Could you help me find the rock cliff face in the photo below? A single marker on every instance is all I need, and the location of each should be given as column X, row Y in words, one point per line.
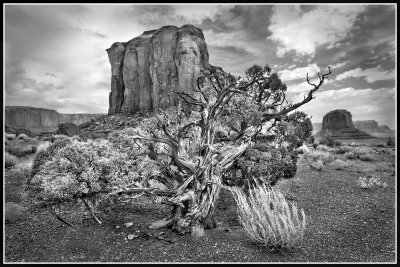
column 40, row 119
column 146, row 69
column 339, row 124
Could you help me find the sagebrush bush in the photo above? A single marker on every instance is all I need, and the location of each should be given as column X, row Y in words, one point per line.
column 10, row 160
column 339, row 164
column 323, row 156
column 366, row 157
column 317, row 165
column 269, row 218
column 23, row 136
column 351, row 155
column 263, row 161
column 71, row 168
column 11, row 136
column 46, row 154
column 371, row 181
column 343, row 149
column 43, row 146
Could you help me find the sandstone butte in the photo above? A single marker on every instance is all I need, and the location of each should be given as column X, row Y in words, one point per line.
column 146, row 69
column 339, row 124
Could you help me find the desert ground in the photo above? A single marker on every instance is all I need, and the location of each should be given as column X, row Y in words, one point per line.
column 345, row 222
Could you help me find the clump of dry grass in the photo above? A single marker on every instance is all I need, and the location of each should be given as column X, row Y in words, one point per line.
column 43, row 146
column 343, row 149
column 23, row 136
column 269, row 218
column 10, row 160
column 317, row 165
column 339, row 164
column 370, row 181
column 10, row 136
column 323, row 156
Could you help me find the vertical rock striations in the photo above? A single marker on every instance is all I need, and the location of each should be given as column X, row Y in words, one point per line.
column 146, row 69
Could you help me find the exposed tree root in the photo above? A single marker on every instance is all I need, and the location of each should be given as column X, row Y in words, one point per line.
column 161, row 224
column 58, row 217
column 91, row 211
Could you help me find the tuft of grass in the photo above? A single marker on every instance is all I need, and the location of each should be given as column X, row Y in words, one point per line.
column 43, row 146
column 269, row 218
column 11, row 136
column 23, row 137
column 10, row 160
column 323, row 156
column 343, row 149
column 371, row 181
column 366, row 157
column 351, row 155
column 317, row 165
column 339, row 164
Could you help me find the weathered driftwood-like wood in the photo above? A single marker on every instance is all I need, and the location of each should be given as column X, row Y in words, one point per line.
column 58, row 217
column 91, row 211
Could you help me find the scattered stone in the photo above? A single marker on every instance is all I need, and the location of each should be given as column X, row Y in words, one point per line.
column 161, row 233
column 132, row 236
column 161, row 237
column 127, row 225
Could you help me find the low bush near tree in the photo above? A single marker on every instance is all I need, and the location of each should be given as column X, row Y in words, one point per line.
column 10, row 160
column 339, row 164
column 269, row 218
column 369, row 182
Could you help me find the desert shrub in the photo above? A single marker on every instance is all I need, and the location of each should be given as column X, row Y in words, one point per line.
column 353, row 144
column 339, row 164
column 269, row 218
column 45, row 154
column 343, row 149
column 263, row 161
column 10, row 160
column 317, row 165
column 390, row 142
column 10, row 136
column 366, row 157
column 34, row 149
column 43, row 146
column 90, row 169
column 315, row 145
column 311, row 139
column 324, row 156
column 23, row 136
column 351, row 155
column 303, row 149
column 371, row 181
column 327, row 140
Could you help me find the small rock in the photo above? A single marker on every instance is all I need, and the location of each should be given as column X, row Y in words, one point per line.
column 117, row 226
column 161, row 233
column 161, row 237
column 127, row 225
column 131, row 236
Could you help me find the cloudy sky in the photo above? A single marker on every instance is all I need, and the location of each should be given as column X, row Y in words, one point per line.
column 54, row 55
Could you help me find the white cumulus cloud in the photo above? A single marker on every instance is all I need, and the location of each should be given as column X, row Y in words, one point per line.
column 303, row 32
column 370, row 75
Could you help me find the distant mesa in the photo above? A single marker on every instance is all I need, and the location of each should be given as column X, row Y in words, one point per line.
column 339, row 124
column 39, row 120
column 372, row 127
column 146, row 69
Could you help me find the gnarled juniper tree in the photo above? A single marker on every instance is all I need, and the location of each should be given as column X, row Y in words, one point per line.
column 210, row 130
